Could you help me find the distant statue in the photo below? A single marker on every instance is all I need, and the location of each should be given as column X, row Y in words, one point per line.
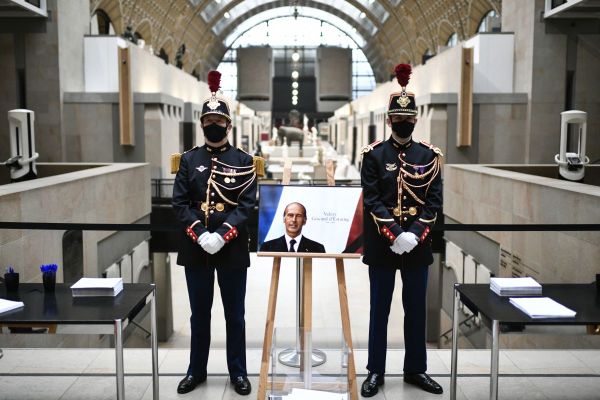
column 290, row 134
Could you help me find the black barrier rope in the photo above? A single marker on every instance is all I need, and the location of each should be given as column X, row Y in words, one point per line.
column 60, row 226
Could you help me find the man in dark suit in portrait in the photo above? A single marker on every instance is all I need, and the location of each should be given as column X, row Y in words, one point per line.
column 294, row 218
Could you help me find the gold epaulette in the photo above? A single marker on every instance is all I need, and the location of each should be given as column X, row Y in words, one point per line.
column 431, row 147
column 176, row 160
column 259, row 165
column 371, row 146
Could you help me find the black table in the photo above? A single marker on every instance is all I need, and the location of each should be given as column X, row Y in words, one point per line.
column 582, row 298
column 86, row 315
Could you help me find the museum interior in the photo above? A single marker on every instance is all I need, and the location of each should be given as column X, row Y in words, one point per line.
column 103, row 106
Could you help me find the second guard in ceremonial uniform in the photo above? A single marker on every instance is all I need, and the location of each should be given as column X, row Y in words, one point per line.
column 402, row 191
column 213, row 195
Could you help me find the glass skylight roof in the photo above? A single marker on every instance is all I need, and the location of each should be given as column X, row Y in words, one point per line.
column 283, row 30
column 334, row 6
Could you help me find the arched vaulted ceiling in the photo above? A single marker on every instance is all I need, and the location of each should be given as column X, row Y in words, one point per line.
column 392, row 31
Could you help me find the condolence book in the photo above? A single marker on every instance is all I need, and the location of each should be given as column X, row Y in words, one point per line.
column 95, row 287
column 515, row 286
column 7, row 305
column 542, row 307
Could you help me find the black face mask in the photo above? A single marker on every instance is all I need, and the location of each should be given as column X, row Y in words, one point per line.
column 403, row 128
column 215, row 133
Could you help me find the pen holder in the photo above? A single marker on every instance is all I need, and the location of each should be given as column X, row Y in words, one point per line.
column 49, row 280
column 12, row 281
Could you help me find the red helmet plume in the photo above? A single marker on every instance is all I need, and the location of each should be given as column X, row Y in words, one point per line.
column 214, row 81
column 403, row 72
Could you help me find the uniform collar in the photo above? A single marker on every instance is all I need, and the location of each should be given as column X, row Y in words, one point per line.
column 219, row 149
column 398, row 145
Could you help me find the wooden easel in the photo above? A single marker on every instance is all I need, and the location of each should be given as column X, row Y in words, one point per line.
column 306, row 323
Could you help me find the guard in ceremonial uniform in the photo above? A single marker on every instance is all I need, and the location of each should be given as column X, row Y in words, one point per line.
column 213, row 195
column 402, row 191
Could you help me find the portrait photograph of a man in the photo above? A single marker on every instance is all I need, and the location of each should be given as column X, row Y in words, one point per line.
column 316, row 219
column 294, row 218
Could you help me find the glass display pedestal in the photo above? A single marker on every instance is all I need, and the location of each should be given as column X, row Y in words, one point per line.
column 328, row 381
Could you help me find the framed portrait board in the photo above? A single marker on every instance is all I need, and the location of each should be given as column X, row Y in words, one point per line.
column 310, row 219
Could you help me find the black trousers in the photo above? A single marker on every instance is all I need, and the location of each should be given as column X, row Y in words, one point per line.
column 414, row 287
column 232, row 283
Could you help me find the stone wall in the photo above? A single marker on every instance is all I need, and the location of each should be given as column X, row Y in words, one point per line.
column 476, row 194
column 117, row 193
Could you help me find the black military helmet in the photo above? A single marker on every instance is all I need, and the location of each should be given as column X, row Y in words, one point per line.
column 215, row 105
column 403, row 102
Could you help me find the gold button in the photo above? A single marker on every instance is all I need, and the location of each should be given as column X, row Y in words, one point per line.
column 214, row 159
column 214, row 167
column 212, row 212
column 403, row 197
column 404, row 165
column 404, row 217
column 403, row 154
column 212, row 193
column 212, row 202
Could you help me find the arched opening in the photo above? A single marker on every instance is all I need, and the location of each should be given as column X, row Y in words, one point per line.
column 101, row 24
column 452, row 40
column 179, row 56
column 489, row 23
column 142, row 33
column 427, row 54
column 163, row 54
column 279, row 33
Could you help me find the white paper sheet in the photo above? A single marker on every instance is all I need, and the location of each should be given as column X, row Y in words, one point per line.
column 541, row 307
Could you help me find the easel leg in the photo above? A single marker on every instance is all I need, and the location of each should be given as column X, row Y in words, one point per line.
column 341, row 277
column 306, row 324
column 269, row 325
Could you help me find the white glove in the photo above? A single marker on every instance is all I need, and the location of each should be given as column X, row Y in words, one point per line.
column 406, row 242
column 203, row 237
column 213, row 243
column 395, row 247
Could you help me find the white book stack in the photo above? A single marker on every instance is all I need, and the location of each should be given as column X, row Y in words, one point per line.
column 8, row 305
column 542, row 307
column 515, row 287
column 97, row 287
